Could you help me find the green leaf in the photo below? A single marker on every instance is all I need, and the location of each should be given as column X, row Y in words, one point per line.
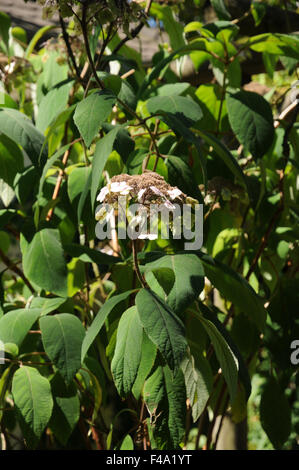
column 127, row 443
column 52, row 104
column 165, row 398
column 76, row 181
column 162, row 326
column 38, row 35
column 278, row 44
column 103, row 149
column 84, row 195
column 33, row 400
column 62, row 337
column 6, row 101
column 180, row 175
column 148, row 356
column 227, row 360
column 99, row 321
column 44, row 262
column 183, row 108
column 15, row 325
column 5, row 24
column 179, row 128
column 173, row 28
column 92, row 112
column 11, row 159
column 236, row 289
column 127, row 355
column 275, row 414
column 243, row 370
column 20, row 129
column 88, row 255
column 220, row 9
column 258, row 10
column 250, row 116
column 66, row 410
column 189, row 278
column 46, row 305
column 196, row 388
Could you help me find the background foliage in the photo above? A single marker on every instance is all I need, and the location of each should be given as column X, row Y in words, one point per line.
column 103, row 351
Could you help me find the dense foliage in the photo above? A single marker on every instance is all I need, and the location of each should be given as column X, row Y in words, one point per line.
column 142, row 344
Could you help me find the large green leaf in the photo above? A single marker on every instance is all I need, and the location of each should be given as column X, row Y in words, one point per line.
column 11, row 159
column 62, row 337
column 53, row 103
column 89, row 255
column 92, row 112
column 183, row 108
column 275, row 414
column 127, row 355
column 44, row 262
column 222, row 151
column 250, row 116
column 196, row 387
column 33, row 400
column 180, row 175
column 227, row 360
column 165, row 397
column 15, row 325
column 278, row 44
column 173, row 28
column 76, row 181
column 46, row 305
column 103, row 149
column 20, row 129
column 147, row 360
column 236, row 289
column 189, row 275
column 162, row 326
column 5, row 24
column 66, row 410
column 99, row 321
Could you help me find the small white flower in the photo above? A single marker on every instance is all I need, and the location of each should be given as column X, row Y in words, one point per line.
column 103, row 193
column 148, row 236
column 174, row 193
column 120, row 187
column 9, row 68
column 140, row 194
column 157, row 191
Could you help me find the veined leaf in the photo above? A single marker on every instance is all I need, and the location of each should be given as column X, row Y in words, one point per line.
column 250, row 116
column 20, row 129
column 62, row 337
column 182, row 107
column 196, row 388
column 92, row 112
column 162, row 326
column 44, row 262
column 165, row 398
column 99, row 321
column 127, row 355
column 189, row 275
column 33, row 400
column 15, row 325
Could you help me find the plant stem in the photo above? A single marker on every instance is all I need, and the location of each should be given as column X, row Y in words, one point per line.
column 16, row 269
column 136, row 265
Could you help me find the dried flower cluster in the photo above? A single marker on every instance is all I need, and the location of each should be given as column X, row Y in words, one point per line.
column 119, row 12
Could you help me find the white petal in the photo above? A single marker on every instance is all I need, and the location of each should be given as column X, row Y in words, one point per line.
column 148, row 236
column 120, row 187
column 157, row 191
column 104, row 191
column 140, row 194
column 174, row 193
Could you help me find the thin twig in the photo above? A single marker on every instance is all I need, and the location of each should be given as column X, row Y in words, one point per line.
column 13, row 267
